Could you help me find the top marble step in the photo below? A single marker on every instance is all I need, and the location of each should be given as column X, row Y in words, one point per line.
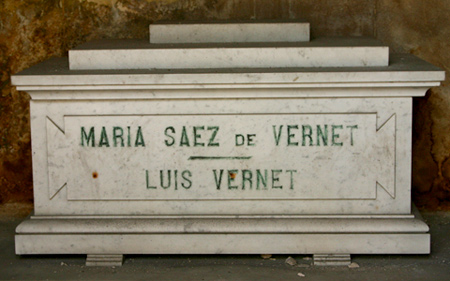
column 225, row 32
column 139, row 54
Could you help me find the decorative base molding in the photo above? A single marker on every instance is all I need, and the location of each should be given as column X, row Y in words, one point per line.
column 333, row 236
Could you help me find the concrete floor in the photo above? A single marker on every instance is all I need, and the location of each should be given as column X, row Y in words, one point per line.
column 226, row 267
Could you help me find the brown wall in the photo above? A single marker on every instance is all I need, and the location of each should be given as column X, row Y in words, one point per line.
column 32, row 31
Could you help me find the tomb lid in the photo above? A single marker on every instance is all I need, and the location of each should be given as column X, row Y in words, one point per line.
column 404, row 70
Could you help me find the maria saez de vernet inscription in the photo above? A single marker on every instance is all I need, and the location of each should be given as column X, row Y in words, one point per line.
column 207, row 157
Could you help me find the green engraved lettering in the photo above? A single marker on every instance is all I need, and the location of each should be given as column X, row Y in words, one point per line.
column 307, row 133
column 231, row 176
column 239, row 140
column 334, row 135
column 251, row 140
column 197, row 136
column 247, row 177
column 171, row 141
column 218, row 180
column 322, row 135
column 161, row 178
column 118, row 134
column 292, row 177
column 260, row 179
column 215, row 130
column 103, row 138
column 129, row 136
column 184, row 138
column 291, row 135
column 186, row 175
column 147, row 181
column 276, row 135
column 275, row 178
column 89, row 138
column 175, row 178
column 139, row 138
column 351, row 132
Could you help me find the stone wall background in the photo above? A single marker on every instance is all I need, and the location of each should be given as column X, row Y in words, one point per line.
column 34, row 30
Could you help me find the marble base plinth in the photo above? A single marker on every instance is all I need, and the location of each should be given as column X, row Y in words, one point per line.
column 226, row 235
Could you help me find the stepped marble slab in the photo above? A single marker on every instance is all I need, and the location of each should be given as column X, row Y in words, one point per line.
column 139, row 54
column 403, row 71
column 165, row 235
column 161, row 33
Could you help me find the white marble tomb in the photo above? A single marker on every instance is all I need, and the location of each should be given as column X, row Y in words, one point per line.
column 249, row 141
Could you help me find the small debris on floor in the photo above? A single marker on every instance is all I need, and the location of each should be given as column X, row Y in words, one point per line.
column 353, row 265
column 291, row 261
column 307, row 258
column 301, row 274
column 304, row 265
column 63, row 264
column 266, row 256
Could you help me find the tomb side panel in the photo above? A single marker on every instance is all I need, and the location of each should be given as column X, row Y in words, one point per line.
column 390, row 196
